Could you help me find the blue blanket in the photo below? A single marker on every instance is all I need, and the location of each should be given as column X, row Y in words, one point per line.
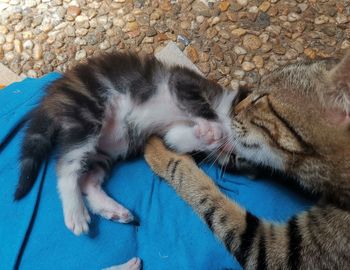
column 171, row 236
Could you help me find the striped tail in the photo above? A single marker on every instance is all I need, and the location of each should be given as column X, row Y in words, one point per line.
column 37, row 145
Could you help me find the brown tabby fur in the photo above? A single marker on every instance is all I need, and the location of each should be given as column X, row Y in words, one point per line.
column 296, row 121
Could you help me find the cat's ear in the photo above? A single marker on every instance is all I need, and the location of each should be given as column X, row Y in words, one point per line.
column 338, row 94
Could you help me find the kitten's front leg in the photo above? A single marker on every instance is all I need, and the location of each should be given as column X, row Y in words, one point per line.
column 204, row 135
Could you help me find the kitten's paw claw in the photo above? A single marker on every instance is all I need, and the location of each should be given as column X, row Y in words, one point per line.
column 77, row 221
column 111, row 210
column 123, row 216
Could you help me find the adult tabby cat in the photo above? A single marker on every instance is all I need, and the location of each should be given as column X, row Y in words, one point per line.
column 104, row 110
column 296, row 121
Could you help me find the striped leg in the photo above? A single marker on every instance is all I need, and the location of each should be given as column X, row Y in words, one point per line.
column 316, row 239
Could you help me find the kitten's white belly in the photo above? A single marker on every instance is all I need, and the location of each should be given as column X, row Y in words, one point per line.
column 150, row 117
column 113, row 138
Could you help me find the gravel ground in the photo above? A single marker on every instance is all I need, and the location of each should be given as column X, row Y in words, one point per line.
column 233, row 42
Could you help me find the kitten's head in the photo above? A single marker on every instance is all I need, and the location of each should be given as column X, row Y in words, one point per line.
column 297, row 121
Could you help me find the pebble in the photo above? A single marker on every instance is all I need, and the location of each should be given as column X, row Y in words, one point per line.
column 182, row 39
column 248, row 66
column 70, row 31
column 37, row 52
column 8, row 47
column 211, row 32
column 192, row 53
column 72, row 12
column 151, row 32
column 251, row 42
column 264, row 6
column 105, row 45
column 321, row 19
column 10, row 37
column 242, row 2
column 3, row 29
column 291, row 54
column 224, row 5
column 274, row 29
column 148, row 39
column 130, row 26
column 239, row 74
column 341, row 19
column 32, row 73
column 81, row 32
column 9, row 56
column 239, row 32
column 345, row 45
column 278, row 49
column 204, row 68
column 200, row 19
column 18, row 46
column 239, row 50
column 310, row 53
column 28, row 45
column 30, row 3
column 82, row 21
column 2, row 39
column 292, row 17
column 258, row 61
column 118, row 22
column 80, row 55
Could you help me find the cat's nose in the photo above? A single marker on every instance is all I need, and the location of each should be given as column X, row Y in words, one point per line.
column 243, row 104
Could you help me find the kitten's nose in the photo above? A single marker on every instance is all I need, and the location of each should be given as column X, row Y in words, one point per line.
column 243, row 104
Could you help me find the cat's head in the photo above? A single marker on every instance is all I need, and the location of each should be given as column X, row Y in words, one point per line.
column 297, row 121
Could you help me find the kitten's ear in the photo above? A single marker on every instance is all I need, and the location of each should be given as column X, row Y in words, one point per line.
column 338, row 94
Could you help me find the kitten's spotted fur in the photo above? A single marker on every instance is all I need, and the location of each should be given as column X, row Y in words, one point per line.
column 104, row 110
column 297, row 121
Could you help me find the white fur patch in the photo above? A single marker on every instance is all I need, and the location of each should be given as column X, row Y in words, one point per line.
column 76, row 216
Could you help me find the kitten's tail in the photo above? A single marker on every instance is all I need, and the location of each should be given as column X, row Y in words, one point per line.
column 37, row 145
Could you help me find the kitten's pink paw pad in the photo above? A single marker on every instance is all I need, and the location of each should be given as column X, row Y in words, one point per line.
column 208, row 131
column 133, row 264
column 77, row 220
column 116, row 212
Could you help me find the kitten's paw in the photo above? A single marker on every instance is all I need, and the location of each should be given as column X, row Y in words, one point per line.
column 208, row 131
column 77, row 220
column 133, row 264
column 116, row 212
column 100, row 203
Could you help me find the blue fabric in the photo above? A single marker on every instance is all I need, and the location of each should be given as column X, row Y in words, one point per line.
column 171, row 236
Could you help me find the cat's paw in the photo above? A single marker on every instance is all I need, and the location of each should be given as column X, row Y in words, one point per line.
column 211, row 133
column 133, row 264
column 159, row 157
column 77, row 219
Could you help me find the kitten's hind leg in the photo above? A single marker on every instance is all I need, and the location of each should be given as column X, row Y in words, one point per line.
column 70, row 168
column 99, row 202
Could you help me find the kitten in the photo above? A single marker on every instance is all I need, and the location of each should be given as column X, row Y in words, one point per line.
column 104, row 110
column 297, row 122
